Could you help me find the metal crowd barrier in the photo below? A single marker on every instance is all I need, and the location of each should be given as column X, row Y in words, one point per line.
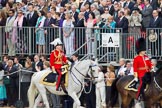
column 87, row 42
column 153, row 40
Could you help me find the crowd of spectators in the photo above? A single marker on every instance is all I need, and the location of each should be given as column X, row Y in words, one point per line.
column 132, row 16
column 11, row 75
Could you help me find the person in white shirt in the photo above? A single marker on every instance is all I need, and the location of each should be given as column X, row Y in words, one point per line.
column 100, row 91
column 121, row 70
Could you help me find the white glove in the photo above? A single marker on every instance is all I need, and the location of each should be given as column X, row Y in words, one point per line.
column 136, row 79
column 153, row 70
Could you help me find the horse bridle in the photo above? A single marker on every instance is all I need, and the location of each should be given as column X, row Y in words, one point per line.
column 90, row 68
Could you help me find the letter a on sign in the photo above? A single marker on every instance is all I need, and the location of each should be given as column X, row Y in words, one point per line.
column 110, row 40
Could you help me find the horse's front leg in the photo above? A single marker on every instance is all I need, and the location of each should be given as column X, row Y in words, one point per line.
column 37, row 101
column 43, row 93
column 76, row 100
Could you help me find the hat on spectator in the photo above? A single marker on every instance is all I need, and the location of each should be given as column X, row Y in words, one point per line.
column 140, row 45
column 56, row 42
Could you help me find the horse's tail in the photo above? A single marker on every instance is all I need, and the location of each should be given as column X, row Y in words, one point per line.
column 32, row 92
column 114, row 93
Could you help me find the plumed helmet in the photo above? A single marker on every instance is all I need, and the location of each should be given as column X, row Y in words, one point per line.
column 140, row 45
column 56, row 42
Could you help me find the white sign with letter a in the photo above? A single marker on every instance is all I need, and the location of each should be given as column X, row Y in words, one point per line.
column 110, row 39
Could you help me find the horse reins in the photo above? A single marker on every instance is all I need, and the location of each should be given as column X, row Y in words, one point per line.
column 90, row 67
column 157, row 85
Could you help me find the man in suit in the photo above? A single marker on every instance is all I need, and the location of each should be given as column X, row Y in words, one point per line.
column 129, row 4
column 95, row 10
column 122, row 22
column 12, row 88
column 86, row 14
column 154, row 4
column 116, row 10
column 62, row 14
column 37, row 65
column 74, row 13
column 146, row 13
column 8, row 31
column 110, row 7
column 32, row 17
column 156, row 22
column 48, row 31
column 80, row 33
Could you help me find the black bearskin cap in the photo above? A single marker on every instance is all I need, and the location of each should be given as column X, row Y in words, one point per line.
column 140, row 45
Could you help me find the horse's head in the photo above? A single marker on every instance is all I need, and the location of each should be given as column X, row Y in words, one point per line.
column 86, row 67
column 93, row 69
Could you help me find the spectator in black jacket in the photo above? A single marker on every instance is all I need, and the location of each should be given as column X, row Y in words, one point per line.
column 32, row 17
column 80, row 32
column 37, row 65
column 12, row 88
column 49, row 32
column 122, row 22
column 155, row 22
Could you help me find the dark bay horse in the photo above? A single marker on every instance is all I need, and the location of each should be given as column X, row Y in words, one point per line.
column 153, row 94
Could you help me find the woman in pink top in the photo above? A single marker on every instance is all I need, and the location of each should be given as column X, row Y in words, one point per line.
column 91, row 22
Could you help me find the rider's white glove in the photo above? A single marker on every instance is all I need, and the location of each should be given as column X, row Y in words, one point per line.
column 136, row 79
column 153, row 70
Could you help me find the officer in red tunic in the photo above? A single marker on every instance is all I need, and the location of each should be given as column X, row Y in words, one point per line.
column 57, row 59
column 141, row 65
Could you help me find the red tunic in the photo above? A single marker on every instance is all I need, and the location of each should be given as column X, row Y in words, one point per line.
column 57, row 59
column 141, row 65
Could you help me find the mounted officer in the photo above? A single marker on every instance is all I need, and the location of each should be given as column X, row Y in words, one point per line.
column 141, row 65
column 57, row 59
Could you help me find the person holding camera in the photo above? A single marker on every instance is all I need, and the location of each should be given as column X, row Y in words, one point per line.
column 135, row 22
